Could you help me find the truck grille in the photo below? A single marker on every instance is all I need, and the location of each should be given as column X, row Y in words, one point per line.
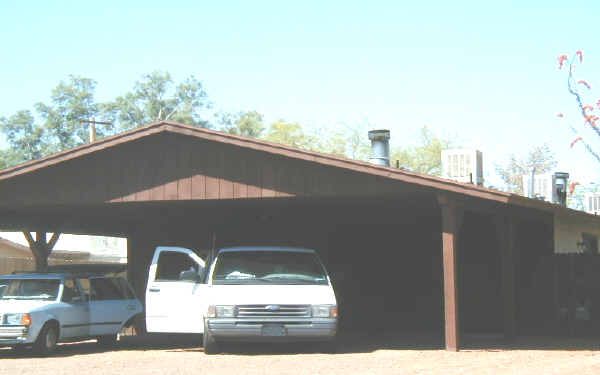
column 258, row 311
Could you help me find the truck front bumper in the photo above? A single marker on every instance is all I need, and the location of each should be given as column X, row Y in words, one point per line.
column 272, row 330
column 13, row 335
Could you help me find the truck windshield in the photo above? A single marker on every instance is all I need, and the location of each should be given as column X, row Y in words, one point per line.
column 268, row 267
column 46, row 289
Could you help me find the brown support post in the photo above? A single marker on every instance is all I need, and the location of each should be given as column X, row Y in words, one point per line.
column 505, row 237
column 133, row 277
column 451, row 222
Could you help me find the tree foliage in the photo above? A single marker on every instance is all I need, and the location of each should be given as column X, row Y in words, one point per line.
column 156, row 98
column 426, row 156
column 55, row 126
column 247, row 124
column 291, row 134
column 540, row 157
column 61, row 123
column 71, row 101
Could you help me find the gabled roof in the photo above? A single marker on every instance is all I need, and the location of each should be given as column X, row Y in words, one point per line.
column 432, row 182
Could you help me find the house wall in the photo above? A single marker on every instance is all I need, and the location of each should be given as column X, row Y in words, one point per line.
column 568, row 232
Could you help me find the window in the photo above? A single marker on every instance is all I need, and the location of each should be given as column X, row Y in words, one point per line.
column 103, row 289
column 172, row 264
column 70, row 290
column 268, row 267
column 13, row 289
column 85, row 286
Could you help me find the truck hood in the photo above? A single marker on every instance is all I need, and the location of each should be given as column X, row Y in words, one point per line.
column 271, row 294
column 22, row 306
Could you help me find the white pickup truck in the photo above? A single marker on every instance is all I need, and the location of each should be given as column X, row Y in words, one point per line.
column 273, row 294
column 41, row 309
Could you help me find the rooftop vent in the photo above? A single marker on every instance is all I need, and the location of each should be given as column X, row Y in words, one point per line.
column 380, row 147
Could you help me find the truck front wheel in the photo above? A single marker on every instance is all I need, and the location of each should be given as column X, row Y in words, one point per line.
column 208, row 341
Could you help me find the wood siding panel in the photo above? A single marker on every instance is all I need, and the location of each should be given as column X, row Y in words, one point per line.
column 145, row 173
column 285, row 178
column 131, row 170
column 184, row 170
column 114, row 173
column 227, row 157
column 159, row 156
column 298, row 178
column 169, row 174
column 213, row 171
column 198, row 161
column 95, row 179
column 253, row 175
column 240, row 188
column 269, row 177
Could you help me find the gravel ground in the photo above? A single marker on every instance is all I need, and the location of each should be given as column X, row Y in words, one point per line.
column 357, row 355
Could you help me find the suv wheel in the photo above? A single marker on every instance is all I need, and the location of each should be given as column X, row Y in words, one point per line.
column 46, row 341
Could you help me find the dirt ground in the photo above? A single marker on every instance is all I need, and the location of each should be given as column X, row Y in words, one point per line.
column 357, row 354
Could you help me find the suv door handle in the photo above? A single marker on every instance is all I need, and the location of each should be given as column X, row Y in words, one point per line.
column 154, row 290
column 131, row 307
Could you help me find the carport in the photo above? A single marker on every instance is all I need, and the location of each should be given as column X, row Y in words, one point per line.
column 406, row 251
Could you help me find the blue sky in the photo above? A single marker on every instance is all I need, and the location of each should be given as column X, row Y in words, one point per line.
column 484, row 74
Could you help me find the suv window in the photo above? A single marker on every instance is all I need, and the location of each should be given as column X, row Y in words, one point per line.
column 70, row 290
column 102, row 289
column 46, row 289
column 172, row 265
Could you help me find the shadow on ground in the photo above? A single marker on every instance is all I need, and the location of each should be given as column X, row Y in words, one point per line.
column 354, row 342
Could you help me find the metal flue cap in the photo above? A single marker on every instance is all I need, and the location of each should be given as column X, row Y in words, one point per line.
column 379, row 135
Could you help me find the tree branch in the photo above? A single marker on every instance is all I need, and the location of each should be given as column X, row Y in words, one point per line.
column 29, row 239
column 53, row 240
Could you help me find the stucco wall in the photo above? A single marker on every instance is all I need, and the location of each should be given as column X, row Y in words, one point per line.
column 568, row 232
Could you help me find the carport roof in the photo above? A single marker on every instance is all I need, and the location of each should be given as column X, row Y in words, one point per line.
column 431, row 182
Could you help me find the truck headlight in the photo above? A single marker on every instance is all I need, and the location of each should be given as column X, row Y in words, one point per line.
column 324, row 311
column 17, row 319
column 221, row 311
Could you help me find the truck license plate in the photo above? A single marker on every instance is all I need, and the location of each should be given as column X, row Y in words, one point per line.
column 273, row 330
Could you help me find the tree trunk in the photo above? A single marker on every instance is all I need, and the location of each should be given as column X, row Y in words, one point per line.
column 41, row 260
column 40, row 248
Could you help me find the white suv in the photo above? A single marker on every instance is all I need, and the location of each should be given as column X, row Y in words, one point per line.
column 43, row 309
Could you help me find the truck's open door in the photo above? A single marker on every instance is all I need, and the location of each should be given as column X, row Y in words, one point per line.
column 175, row 293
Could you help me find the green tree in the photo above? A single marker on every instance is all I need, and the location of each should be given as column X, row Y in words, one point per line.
column 155, row 98
column 59, row 127
column 348, row 141
column 425, row 157
column 291, row 134
column 540, row 157
column 247, row 124
column 70, row 102
column 25, row 138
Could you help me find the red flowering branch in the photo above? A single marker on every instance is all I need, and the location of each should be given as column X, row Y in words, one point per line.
column 574, row 85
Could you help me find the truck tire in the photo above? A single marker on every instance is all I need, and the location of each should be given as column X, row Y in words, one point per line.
column 208, row 341
column 46, row 341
